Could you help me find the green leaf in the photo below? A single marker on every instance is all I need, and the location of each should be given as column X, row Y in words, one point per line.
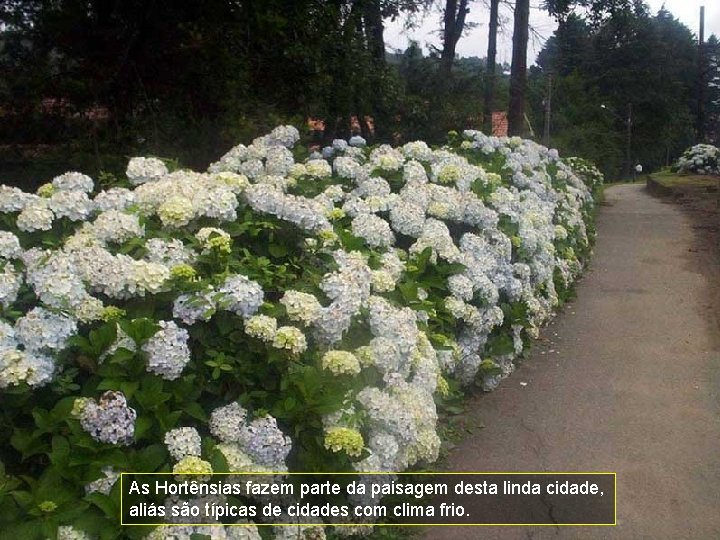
column 142, row 425
column 277, row 250
column 195, row 410
column 140, row 330
column 122, row 356
column 33, row 530
column 102, row 338
column 500, row 345
column 150, row 458
column 104, row 503
column 129, row 388
column 409, row 291
column 60, row 451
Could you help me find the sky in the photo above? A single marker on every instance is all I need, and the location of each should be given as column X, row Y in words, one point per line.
column 474, row 42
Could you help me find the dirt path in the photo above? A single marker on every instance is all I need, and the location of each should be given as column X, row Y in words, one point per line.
column 627, row 380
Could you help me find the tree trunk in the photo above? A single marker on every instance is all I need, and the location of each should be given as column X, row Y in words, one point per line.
column 374, row 31
column 491, row 61
column 453, row 25
column 518, row 72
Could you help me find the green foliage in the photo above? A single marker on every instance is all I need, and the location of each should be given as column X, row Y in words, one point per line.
column 627, row 58
column 87, row 85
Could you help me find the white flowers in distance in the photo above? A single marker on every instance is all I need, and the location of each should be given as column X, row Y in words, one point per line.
column 700, row 159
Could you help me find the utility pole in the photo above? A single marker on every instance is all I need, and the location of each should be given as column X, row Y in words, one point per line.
column 548, row 111
column 701, row 79
column 628, row 147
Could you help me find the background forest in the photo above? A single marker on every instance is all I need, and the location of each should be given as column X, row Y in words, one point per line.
column 86, row 84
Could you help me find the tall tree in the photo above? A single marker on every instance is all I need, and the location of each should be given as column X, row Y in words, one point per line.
column 453, row 25
column 518, row 70
column 491, row 64
column 374, row 30
column 631, row 58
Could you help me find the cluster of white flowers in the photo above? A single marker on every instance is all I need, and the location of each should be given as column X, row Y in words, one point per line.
column 700, row 159
column 141, row 170
column 116, row 226
column 259, row 442
column 73, row 181
column 109, row 419
column 10, row 282
column 308, row 214
column 246, row 531
column 301, row 307
column 41, row 330
column 182, row 442
column 240, row 295
column 67, row 532
column 105, row 483
column 193, row 307
column 167, row 351
column 18, row 366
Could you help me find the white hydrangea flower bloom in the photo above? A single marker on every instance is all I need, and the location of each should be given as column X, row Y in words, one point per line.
column 35, row 216
column 168, row 252
column 261, row 327
column 9, row 245
column 114, row 199
column 109, row 420
column 150, row 277
column 226, row 422
column 42, row 330
column 241, row 295
column 357, row 141
column 182, row 442
column 193, row 307
column 32, row 368
column 291, row 339
column 318, row 168
column 13, row 199
column 74, row 205
column 265, row 443
column 117, row 227
column 104, row 484
column 10, row 283
column 301, row 307
column 141, row 170
column 168, row 352
column 373, row 229
column 73, row 181
column 68, row 532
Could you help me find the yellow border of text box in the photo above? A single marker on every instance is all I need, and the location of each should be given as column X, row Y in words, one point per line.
column 444, row 473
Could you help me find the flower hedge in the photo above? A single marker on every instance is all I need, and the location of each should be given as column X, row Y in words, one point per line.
column 281, row 311
column 699, row 159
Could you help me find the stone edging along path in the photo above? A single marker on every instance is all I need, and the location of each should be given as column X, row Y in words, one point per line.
column 626, row 379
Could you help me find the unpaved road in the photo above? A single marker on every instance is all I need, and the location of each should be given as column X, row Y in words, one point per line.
column 627, row 380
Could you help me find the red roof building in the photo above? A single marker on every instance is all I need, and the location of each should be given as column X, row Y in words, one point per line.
column 499, row 124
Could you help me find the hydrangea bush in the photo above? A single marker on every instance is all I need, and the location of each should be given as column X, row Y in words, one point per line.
column 699, row 159
column 281, row 311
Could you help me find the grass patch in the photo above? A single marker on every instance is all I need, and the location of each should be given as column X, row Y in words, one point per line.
column 671, row 179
